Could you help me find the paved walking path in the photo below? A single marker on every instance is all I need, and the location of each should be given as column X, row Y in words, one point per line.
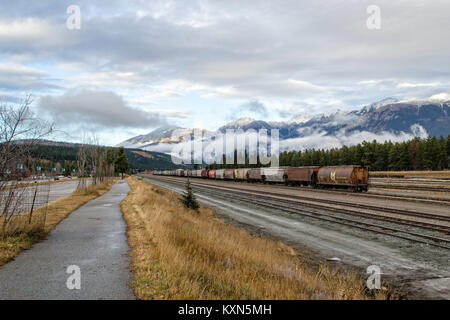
column 92, row 238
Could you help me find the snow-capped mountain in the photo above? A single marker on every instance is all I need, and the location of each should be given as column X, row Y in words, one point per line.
column 167, row 135
column 245, row 124
column 385, row 119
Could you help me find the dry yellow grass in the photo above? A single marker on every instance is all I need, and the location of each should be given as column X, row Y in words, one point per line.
column 12, row 244
column 429, row 173
column 182, row 254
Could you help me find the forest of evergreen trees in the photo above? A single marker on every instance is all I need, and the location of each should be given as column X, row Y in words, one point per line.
column 416, row 154
column 59, row 157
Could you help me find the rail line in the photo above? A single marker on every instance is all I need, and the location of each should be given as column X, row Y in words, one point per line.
column 349, row 222
column 408, row 197
column 411, row 223
column 287, row 206
column 333, row 202
column 409, row 187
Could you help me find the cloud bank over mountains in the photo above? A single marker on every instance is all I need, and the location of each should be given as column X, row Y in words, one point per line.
column 204, row 62
column 382, row 121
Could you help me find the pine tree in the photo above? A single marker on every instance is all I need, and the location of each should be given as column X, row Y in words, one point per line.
column 393, row 157
column 121, row 165
column 442, row 154
column 188, row 198
column 448, row 145
column 404, row 162
column 415, row 154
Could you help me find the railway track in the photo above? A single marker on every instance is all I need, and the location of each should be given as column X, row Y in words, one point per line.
column 409, row 197
column 332, row 202
column 351, row 222
column 436, row 181
column 268, row 200
column 409, row 187
column 424, row 225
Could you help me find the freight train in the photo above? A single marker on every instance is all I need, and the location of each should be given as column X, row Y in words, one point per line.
column 354, row 177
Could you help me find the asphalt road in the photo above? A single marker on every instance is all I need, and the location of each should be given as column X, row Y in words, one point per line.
column 46, row 193
column 92, row 238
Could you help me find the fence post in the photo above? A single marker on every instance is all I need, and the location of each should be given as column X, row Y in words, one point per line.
column 32, row 205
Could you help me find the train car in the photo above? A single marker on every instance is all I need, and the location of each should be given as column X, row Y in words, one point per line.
column 220, row 174
column 302, row 175
column 355, row 177
column 273, row 175
column 240, row 174
column 193, row 173
column 188, row 173
column 254, row 175
column 228, row 174
column 179, row 172
column 211, row 174
column 198, row 173
column 204, row 174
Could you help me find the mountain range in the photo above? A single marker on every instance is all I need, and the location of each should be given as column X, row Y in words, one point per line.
column 388, row 119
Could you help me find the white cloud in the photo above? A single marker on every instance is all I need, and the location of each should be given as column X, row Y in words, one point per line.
column 30, row 33
column 320, row 140
column 416, row 85
column 212, row 56
column 443, row 96
column 97, row 108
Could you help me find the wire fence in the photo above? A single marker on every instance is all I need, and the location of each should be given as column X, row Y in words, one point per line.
column 23, row 208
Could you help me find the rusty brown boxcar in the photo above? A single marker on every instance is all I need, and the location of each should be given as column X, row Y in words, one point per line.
column 254, row 175
column 204, row 173
column 302, row 175
column 353, row 176
column 212, row 174
column 229, row 174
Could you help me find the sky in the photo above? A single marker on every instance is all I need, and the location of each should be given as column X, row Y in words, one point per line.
column 136, row 65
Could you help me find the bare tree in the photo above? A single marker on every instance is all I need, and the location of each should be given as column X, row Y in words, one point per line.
column 93, row 161
column 19, row 132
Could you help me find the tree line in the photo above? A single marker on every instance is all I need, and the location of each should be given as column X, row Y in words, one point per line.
column 83, row 159
column 417, row 154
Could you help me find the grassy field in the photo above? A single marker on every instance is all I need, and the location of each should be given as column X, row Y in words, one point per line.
column 183, row 254
column 441, row 174
column 12, row 245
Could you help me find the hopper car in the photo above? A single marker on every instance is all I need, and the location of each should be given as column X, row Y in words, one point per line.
column 354, row 177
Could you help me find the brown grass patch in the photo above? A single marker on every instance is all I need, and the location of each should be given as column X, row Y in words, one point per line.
column 181, row 254
column 395, row 174
column 15, row 242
